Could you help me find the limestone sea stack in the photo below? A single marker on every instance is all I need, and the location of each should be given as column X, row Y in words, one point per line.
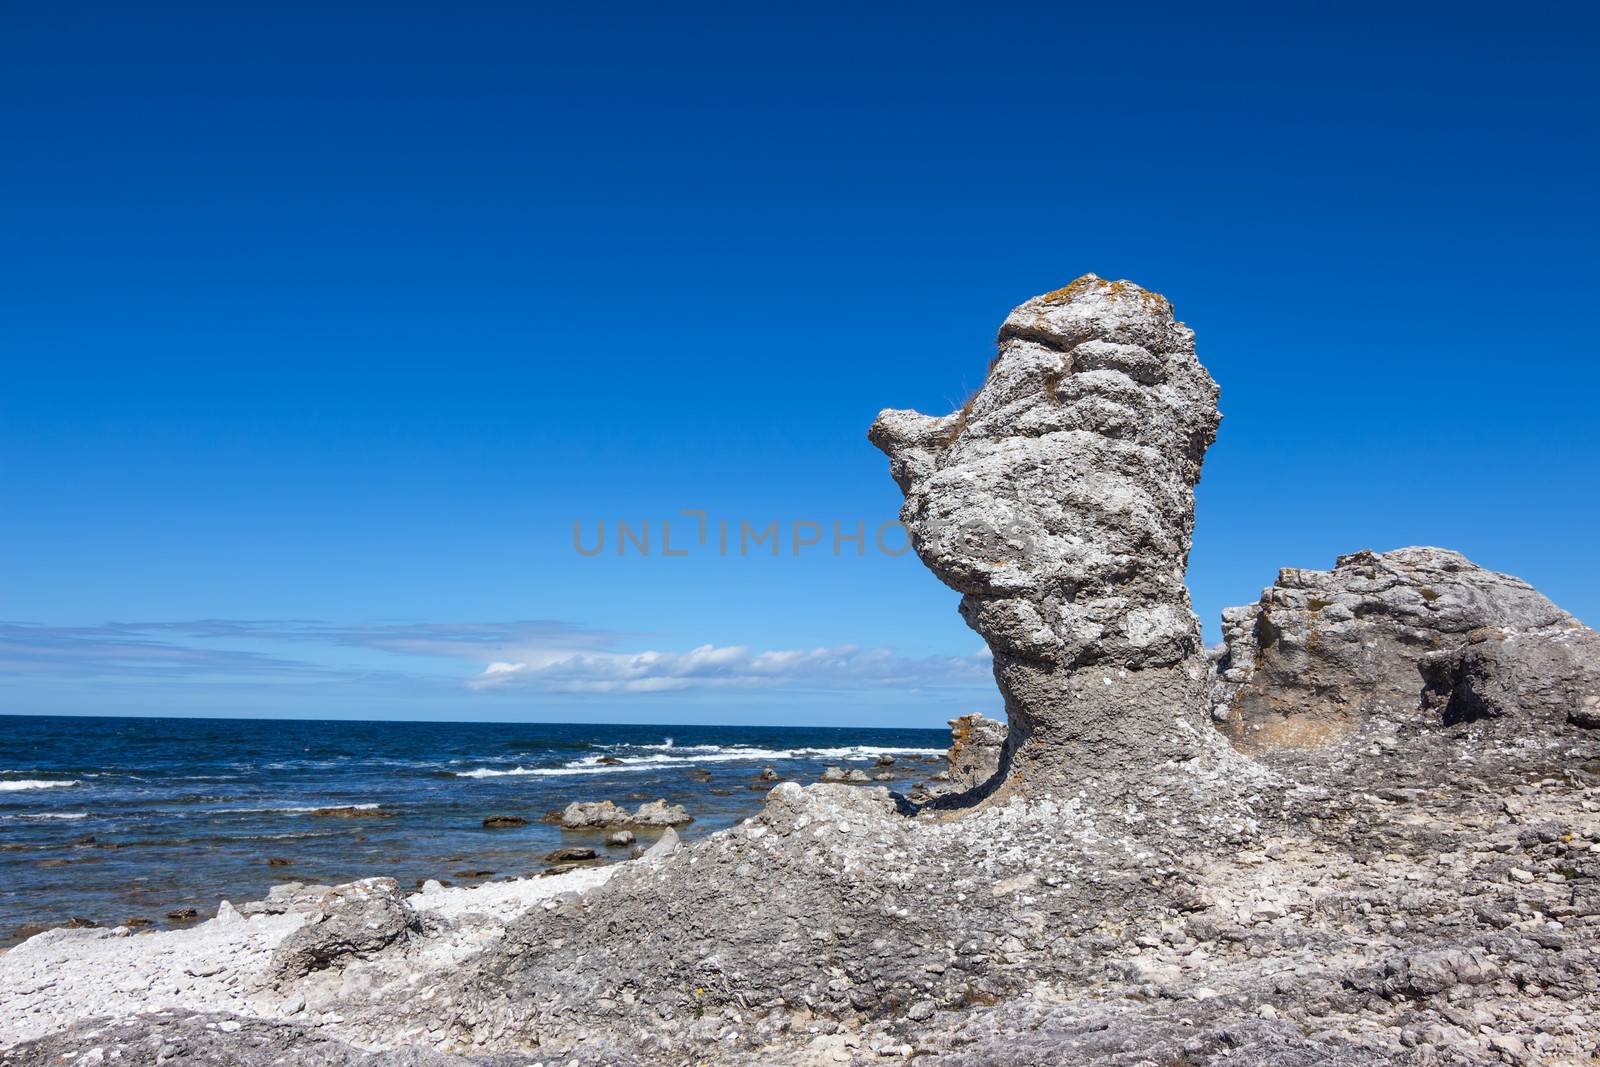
column 1059, row 502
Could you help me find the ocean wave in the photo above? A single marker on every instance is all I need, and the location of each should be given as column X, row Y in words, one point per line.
column 35, row 783
column 695, row 755
column 49, row 815
column 282, row 811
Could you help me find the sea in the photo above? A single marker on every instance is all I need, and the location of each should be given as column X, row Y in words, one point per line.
column 118, row 820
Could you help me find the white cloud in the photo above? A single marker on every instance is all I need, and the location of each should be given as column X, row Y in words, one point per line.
column 530, row 655
column 732, row 667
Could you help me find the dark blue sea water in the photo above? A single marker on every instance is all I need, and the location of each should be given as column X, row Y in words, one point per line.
column 111, row 819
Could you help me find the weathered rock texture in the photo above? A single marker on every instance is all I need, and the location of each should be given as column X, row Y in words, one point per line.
column 353, row 920
column 976, row 745
column 604, row 814
column 1553, row 677
column 1322, row 649
column 1424, row 890
column 1060, row 502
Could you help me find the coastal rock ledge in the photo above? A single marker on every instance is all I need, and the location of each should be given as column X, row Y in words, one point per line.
column 1367, row 834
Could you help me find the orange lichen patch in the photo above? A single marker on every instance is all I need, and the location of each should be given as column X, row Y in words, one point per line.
column 1090, row 282
column 960, row 732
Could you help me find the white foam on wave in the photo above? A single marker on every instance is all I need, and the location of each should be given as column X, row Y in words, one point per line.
column 35, row 783
column 49, row 815
column 697, row 754
column 278, row 811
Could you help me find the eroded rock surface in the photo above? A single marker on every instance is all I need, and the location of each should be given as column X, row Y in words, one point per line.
column 1545, row 678
column 352, row 920
column 1060, row 503
column 604, row 814
column 1322, row 649
column 977, row 743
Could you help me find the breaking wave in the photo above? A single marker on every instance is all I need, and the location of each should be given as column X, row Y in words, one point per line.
column 667, row 755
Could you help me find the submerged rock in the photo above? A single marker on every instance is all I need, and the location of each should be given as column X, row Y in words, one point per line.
column 1322, row 649
column 352, row 811
column 1059, row 501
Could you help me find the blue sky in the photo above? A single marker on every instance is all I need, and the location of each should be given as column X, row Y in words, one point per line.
column 319, row 331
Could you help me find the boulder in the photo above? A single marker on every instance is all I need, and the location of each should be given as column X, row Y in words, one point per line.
column 351, row 921
column 660, row 813
column 1548, row 675
column 503, row 822
column 664, row 848
column 569, row 855
column 1321, row 650
column 1059, row 502
column 598, row 815
column 620, row 839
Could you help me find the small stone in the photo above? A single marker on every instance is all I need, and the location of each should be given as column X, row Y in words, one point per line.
column 569, row 855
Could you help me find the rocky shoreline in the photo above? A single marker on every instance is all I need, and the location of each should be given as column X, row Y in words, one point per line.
column 1366, row 830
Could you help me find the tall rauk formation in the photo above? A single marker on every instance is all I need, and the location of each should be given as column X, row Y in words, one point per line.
column 1059, row 501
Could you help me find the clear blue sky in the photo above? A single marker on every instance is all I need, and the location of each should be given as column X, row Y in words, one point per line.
column 319, row 330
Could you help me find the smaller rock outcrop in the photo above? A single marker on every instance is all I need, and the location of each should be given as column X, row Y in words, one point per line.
column 351, row 920
column 604, row 814
column 853, row 776
column 976, row 744
column 1549, row 676
column 1322, row 649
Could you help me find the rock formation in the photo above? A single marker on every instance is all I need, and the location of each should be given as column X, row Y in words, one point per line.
column 604, row 815
column 1423, row 889
column 1059, row 501
column 352, row 920
column 1549, row 677
column 976, row 745
column 1322, row 649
